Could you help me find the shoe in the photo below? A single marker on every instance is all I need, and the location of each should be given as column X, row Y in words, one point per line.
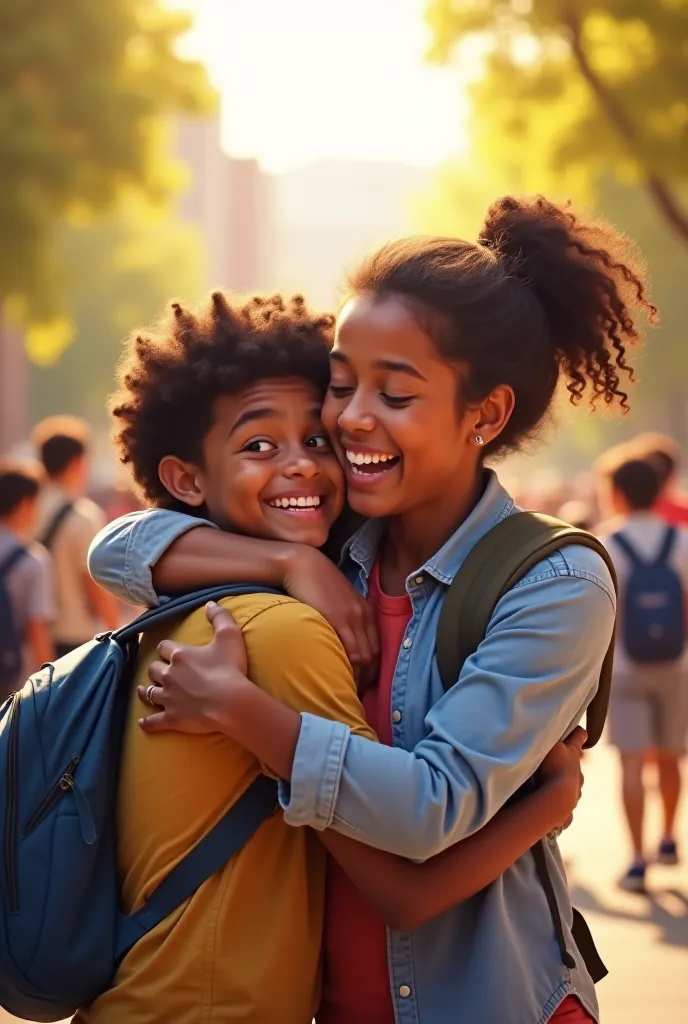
column 634, row 879
column 667, row 853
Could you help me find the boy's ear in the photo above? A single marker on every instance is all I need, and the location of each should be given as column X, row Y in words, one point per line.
column 183, row 480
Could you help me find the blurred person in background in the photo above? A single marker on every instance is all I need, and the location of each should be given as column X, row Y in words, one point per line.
column 576, row 512
column 67, row 523
column 665, row 455
column 648, row 714
column 26, row 606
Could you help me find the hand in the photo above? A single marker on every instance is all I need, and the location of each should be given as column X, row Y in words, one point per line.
column 311, row 577
column 561, row 770
column 194, row 687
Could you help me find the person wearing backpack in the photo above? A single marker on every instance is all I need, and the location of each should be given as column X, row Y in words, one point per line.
column 649, row 701
column 67, row 523
column 446, row 352
column 26, row 606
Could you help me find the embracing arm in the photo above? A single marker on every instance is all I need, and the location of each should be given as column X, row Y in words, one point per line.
column 271, row 647
column 523, row 689
column 406, row 895
column 144, row 554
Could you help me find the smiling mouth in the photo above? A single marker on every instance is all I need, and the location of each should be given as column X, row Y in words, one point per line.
column 302, row 505
column 370, row 464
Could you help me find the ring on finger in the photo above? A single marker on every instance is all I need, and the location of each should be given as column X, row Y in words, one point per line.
column 149, row 696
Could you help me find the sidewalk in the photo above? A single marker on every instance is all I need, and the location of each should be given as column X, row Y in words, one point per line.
column 643, row 940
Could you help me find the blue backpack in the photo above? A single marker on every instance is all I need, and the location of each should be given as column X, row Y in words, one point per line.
column 62, row 929
column 653, row 626
column 10, row 639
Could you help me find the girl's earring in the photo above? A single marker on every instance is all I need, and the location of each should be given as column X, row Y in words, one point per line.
column 479, row 440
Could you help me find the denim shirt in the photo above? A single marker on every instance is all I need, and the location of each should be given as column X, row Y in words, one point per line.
column 457, row 758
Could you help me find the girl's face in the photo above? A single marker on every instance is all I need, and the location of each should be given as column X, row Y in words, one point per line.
column 394, row 413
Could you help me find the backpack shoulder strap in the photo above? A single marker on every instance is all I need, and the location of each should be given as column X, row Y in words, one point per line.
column 185, row 604
column 622, row 542
column 225, row 839
column 492, row 568
column 15, row 555
column 667, row 546
column 50, row 533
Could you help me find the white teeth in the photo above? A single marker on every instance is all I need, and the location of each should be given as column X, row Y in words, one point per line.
column 309, row 502
column 365, row 458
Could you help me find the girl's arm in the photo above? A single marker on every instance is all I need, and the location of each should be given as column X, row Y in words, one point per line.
column 406, row 895
column 144, row 554
column 528, row 682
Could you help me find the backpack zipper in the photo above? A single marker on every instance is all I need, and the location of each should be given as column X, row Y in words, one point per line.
column 61, row 787
column 11, row 880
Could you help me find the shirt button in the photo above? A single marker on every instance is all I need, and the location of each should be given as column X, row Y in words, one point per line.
column 418, row 580
column 396, row 716
column 407, row 642
column 404, row 991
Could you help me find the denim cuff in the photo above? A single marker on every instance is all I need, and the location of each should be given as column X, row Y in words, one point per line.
column 311, row 797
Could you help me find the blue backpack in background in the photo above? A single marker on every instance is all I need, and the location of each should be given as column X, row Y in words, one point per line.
column 62, row 928
column 10, row 638
column 653, row 625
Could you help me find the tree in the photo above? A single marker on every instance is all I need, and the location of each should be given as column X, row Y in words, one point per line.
column 573, row 88
column 86, row 88
column 83, row 88
column 122, row 273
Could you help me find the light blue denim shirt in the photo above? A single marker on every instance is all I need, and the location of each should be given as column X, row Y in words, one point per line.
column 457, row 758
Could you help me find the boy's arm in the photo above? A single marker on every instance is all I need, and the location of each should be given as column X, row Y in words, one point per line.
column 406, row 895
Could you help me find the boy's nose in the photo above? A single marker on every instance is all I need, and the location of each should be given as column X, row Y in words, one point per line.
column 303, row 467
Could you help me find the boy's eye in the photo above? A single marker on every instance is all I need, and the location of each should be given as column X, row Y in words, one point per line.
column 259, row 447
column 318, row 441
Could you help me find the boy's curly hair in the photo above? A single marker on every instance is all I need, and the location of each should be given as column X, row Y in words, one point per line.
column 170, row 376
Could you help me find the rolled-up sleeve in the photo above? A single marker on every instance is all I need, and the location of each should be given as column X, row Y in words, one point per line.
column 122, row 556
column 524, row 688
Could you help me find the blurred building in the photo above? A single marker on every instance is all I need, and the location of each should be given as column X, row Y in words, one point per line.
column 331, row 212
column 231, row 202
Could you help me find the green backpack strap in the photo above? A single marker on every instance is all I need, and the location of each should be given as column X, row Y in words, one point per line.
column 497, row 562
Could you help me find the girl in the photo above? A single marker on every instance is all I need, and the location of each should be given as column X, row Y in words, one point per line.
column 446, row 352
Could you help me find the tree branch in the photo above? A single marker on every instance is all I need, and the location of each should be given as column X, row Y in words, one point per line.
column 657, row 187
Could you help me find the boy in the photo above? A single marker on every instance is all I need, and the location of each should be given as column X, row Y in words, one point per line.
column 25, row 642
column 649, row 702
column 219, row 414
column 68, row 522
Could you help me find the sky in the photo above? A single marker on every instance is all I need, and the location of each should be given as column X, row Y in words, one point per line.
column 305, row 80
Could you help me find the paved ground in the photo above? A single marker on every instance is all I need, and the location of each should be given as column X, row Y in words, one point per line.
column 643, row 940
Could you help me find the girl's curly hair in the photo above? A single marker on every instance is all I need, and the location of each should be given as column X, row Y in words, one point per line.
column 540, row 295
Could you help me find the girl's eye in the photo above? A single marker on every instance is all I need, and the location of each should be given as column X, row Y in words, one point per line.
column 318, row 441
column 259, row 447
column 396, row 401
column 340, row 390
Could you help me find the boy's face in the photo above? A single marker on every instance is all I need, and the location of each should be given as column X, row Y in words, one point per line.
column 268, row 466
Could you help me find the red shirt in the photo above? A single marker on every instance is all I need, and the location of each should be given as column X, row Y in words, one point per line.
column 356, row 980
column 356, row 986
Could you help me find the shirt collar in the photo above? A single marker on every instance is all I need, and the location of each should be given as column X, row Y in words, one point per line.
column 494, row 505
